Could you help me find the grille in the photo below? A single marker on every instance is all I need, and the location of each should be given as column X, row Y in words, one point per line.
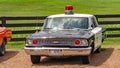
column 56, row 41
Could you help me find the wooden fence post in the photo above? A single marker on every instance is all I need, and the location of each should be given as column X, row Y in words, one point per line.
column 3, row 20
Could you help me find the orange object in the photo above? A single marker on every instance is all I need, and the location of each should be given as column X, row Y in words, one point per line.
column 5, row 36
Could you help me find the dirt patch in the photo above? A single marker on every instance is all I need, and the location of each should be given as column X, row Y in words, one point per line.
column 108, row 58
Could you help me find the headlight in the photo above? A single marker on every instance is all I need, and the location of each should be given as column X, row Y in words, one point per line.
column 28, row 41
column 77, row 42
column 84, row 42
column 35, row 42
column 80, row 42
column 31, row 41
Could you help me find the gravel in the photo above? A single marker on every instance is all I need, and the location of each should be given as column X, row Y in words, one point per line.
column 109, row 58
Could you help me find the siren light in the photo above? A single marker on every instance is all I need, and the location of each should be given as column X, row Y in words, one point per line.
column 69, row 9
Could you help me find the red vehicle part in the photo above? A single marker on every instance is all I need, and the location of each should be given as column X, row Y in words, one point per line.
column 5, row 36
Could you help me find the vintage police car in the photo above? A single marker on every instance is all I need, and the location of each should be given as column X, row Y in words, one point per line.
column 66, row 34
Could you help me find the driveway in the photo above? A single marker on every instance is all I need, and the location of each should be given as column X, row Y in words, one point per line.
column 108, row 58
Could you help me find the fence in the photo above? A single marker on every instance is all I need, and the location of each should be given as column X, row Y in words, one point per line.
column 5, row 19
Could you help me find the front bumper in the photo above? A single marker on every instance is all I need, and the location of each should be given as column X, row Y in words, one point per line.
column 50, row 51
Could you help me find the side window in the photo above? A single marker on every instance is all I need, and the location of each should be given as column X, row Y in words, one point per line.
column 93, row 23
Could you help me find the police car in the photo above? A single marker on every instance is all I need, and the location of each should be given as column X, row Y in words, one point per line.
column 66, row 34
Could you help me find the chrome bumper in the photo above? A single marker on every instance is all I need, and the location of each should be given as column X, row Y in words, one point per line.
column 48, row 51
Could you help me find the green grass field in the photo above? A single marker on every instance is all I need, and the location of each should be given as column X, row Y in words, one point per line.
column 48, row 7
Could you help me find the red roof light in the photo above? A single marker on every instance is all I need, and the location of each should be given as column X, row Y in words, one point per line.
column 69, row 7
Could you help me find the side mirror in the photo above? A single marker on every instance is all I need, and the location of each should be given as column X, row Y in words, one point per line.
column 90, row 28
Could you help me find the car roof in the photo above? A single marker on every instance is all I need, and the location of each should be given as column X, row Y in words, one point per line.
column 70, row 15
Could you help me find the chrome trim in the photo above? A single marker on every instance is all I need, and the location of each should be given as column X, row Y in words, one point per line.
column 45, row 51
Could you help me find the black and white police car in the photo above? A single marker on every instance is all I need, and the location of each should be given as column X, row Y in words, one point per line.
column 66, row 34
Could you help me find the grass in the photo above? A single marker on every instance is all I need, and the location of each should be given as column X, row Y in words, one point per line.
column 16, row 45
column 112, row 41
column 47, row 7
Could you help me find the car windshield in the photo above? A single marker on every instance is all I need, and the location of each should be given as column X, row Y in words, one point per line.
column 66, row 23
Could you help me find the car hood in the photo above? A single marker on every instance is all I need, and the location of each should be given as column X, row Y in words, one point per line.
column 62, row 34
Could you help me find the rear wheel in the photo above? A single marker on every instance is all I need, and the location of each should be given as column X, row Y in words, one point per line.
column 2, row 48
column 35, row 59
column 86, row 59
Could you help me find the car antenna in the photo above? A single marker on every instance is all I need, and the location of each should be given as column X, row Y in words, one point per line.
column 37, row 28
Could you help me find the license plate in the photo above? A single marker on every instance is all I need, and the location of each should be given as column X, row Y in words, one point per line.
column 55, row 52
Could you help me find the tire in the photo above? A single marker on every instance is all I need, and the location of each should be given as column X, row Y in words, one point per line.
column 92, row 45
column 86, row 59
column 35, row 59
column 98, row 50
column 2, row 49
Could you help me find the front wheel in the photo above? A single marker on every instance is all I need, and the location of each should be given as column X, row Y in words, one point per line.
column 98, row 50
column 2, row 49
column 35, row 59
column 86, row 59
